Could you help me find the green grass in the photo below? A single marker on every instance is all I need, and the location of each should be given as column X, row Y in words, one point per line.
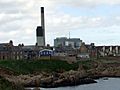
column 88, row 64
column 27, row 67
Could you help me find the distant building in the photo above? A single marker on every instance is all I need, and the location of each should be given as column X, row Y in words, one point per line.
column 82, row 52
column 4, row 53
column 108, row 50
column 9, row 51
column 92, row 50
column 87, row 51
column 46, row 52
column 65, row 42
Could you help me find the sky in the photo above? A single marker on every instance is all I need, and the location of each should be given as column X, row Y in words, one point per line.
column 93, row 21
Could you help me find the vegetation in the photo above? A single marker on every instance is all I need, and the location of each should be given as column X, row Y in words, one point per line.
column 88, row 64
column 32, row 66
column 5, row 85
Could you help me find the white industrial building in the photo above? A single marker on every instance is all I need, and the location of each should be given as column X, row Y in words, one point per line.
column 64, row 41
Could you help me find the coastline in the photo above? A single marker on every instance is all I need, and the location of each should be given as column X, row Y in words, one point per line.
column 86, row 73
column 109, row 84
column 69, row 78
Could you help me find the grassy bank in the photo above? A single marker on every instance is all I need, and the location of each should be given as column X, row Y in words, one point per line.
column 27, row 67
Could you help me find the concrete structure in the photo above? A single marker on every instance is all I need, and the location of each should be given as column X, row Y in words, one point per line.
column 43, row 23
column 65, row 42
column 40, row 36
column 40, row 31
column 108, row 50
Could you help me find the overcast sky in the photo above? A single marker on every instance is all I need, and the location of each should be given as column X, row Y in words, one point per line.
column 95, row 21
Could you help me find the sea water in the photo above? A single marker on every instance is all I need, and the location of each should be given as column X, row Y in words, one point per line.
column 103, row 84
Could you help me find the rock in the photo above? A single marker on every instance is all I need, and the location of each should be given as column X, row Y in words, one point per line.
column 69, row 78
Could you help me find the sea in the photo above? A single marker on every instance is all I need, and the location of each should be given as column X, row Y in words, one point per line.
column 102, row 84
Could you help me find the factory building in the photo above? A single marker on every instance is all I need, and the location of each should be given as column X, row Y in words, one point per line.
column 65, row 42
column 40, row 31
column 40, row 36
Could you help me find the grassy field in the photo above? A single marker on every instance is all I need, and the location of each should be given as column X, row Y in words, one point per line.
column 27, row 67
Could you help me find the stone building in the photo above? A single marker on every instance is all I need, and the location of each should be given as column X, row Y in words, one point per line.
column 4, row 53
column 5, row 50
column 82, row 52
column 10, row 52
column 87, row 51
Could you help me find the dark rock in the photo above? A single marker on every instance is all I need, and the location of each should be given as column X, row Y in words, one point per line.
column 70, row 78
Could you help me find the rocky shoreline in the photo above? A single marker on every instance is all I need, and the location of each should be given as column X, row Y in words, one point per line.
column 67, row 82
column 64, row 78
column 70, row 78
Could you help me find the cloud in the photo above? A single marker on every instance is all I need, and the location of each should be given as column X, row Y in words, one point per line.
column 19, row 18
column 87, row 3
column 68, row 22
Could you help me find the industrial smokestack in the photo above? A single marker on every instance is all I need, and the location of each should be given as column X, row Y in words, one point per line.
column 40, row 31
column 40, row 37
column 43, row 23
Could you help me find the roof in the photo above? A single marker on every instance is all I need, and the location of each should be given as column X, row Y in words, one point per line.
column 46, row 50
column 16, row 48
column 4, row 44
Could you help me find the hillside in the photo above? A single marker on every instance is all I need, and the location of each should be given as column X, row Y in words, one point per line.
column 34, row 66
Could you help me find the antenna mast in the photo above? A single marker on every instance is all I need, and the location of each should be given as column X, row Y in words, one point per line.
column 69, row 35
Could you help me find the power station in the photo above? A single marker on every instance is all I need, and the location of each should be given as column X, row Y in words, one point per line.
column 40, row 31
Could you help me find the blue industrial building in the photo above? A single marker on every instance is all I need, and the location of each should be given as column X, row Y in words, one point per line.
column 46, row 52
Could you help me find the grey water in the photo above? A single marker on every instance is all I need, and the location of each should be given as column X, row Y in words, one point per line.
column 110, row 84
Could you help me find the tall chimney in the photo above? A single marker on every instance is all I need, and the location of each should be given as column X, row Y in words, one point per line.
column 43, row 23
column 40, row 31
